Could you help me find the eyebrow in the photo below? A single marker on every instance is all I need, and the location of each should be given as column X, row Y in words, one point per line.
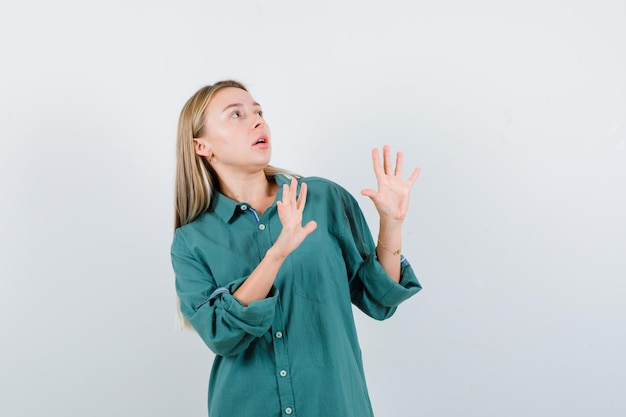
column 239, row 105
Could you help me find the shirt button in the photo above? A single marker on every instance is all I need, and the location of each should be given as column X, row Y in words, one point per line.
column 261, row 227
column 244, row 207
column 279, row 335
column 288, row 410
column 283, row 373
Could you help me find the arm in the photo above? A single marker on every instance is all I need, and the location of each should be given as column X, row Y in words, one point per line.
column 259, row 283
column 225, row 325
column 229, row 318
column 371, row 288
column 392, row 203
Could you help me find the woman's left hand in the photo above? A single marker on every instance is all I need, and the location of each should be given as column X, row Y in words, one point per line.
column 392, row 198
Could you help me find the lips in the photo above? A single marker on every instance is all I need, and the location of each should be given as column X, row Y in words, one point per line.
column 262, row 140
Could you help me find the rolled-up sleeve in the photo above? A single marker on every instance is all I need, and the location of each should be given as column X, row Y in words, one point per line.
column 371, row 288
column 376, row 294
column 224, row 324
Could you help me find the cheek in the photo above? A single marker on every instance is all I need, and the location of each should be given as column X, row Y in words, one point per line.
column 221, row 136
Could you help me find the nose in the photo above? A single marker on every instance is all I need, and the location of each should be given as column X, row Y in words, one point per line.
column 258, row 122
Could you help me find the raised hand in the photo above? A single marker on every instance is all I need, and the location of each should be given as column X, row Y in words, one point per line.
column 258, row 285
column 290, row 214
column 392, row 197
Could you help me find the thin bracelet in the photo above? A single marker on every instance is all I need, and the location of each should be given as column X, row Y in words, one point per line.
column 395, row 252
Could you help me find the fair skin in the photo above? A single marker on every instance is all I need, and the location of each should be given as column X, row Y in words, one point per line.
column 237, row 144
column 236, row 141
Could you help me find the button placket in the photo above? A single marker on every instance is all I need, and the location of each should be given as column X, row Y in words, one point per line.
column 281, row 355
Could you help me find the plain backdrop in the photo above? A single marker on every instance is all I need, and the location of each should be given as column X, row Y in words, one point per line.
column 515, row 111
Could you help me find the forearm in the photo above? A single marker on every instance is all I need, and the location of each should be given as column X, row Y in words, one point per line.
column 388, row 248
column 258, row 285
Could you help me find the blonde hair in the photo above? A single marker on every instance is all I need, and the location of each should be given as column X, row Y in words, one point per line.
column 195, row 180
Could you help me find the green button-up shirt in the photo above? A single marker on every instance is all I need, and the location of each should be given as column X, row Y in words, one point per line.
column 294, row 353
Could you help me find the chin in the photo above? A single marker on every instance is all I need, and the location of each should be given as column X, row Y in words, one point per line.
column 261, row 165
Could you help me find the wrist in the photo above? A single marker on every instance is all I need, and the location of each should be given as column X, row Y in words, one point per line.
column 391, row 225
column 274, row 255
column 393, row 250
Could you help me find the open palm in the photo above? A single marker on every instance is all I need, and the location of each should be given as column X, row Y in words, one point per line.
column 392, row 196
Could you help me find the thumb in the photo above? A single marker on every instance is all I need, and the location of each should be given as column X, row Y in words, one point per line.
column 368, row 192
column 310, row 226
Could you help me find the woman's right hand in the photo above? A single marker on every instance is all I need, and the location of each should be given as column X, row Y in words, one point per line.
column 290, row 213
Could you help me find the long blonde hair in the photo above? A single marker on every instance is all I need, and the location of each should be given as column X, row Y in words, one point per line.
column 195, row 180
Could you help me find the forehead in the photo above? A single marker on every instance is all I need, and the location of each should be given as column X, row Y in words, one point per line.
column 228, row 96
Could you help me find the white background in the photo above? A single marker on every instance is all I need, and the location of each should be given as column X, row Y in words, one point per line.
column 515, row 111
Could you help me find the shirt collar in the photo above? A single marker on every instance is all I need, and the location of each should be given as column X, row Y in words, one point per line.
column 226, row 209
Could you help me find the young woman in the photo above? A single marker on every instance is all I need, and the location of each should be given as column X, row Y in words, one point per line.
column 268, row 264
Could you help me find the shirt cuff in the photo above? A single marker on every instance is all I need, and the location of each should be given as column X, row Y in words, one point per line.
column 259, row 313
column 388, row 292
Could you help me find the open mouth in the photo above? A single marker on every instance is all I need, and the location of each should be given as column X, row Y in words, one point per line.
column 260, row 141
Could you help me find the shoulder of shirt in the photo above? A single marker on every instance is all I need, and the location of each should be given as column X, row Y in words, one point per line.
column 325, row 185
column 198, row 223
column 321, row 183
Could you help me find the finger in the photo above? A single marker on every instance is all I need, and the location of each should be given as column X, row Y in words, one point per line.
column 378, row 169
column 386, row 161
column 413, row 177
column 293, row 191
column 399, row 161
column 290, row 197
column 310, row 226
column 285, row 194
column 302, row 198
column 368, row 192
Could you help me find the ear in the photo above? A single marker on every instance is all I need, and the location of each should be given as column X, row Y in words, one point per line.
column 201, row 147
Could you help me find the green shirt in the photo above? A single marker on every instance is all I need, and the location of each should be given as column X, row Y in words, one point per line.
column 294, row 353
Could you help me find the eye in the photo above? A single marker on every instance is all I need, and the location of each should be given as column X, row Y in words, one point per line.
column 235, row 114
column 260, row 113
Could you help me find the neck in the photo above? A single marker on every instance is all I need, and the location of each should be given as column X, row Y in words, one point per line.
column 255, row 189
